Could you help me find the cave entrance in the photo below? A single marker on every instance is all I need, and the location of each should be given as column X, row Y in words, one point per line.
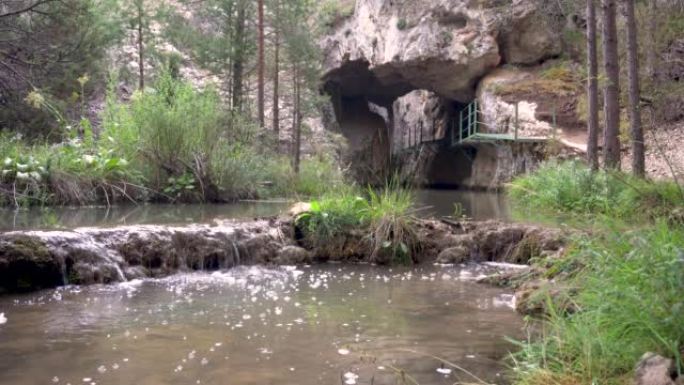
column 451, row 165
column 367, row 130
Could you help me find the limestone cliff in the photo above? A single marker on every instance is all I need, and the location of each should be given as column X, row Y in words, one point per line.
column 395, row 65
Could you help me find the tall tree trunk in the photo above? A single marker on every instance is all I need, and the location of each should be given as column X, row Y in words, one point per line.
column 652, row 47
column 636, row 132
column 297, row 121
column 592, row 87
column 276, row 70
column 239, row 55
column 260, row 81
column 141, row 48
column 611, row 91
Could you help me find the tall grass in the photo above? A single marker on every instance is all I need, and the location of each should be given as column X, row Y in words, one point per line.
column 383, row 219
column 572, row 188
column 172, row 143
column 630, row 303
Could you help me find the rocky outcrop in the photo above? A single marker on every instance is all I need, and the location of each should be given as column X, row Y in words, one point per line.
column 654, row 369
column 391, row 47
column 419, row 116
column 495, row 241
column 399, row 71
column 42, row 259
column 498, row 110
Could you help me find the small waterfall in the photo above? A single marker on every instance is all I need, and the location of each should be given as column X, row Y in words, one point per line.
column 63, row 268
column 119, row 272
column 105, row 255
column 236, row 254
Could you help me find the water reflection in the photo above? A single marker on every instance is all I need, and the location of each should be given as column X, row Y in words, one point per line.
column 252, row 325
column 98, row 216
column 477, row 205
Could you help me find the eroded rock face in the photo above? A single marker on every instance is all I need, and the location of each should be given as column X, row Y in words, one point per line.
column 498, row 112
column 391, row 47
column 42, row 259
column 419, row 116
column 399, row 71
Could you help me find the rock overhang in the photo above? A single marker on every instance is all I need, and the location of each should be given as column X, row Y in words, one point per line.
column 388, row 48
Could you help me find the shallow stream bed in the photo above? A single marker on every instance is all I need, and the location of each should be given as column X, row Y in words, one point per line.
column 329, row 324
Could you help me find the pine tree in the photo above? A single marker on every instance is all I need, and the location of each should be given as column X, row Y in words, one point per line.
column 611, row 90
column 592, row 87
column 637, row 135
column 276, row 70
column 260, row 64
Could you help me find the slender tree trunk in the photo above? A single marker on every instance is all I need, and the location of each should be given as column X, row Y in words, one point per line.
column 260, row 80
column 141, row 48
column 297, row 116
column 239, row 56
column 636, row 131
column 652, row 47
column 592, row 87
column 276, row 77
column 611, row 151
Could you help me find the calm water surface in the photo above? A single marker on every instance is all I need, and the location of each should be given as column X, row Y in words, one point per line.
column 477, row 205
column 331, row 324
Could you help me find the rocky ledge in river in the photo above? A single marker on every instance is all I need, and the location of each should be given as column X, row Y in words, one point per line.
column 32, row 260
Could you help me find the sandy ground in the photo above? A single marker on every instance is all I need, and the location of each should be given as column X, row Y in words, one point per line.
column 664, row 150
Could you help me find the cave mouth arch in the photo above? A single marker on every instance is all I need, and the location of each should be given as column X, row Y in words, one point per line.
column 384, row 115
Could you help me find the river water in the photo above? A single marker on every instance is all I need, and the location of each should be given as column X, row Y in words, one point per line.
column 477, row 205
column 330, row 324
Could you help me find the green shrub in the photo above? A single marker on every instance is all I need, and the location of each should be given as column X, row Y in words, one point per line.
column 334, row 12
column 384, row 218
column 630, row 302
column 572, row 188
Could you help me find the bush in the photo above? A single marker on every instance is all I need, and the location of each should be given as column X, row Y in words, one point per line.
column 629, row 303
column 72, row 172
column 384, row 218
column 172, row 143
column 572, row 188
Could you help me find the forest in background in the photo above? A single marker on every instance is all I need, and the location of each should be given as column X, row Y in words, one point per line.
column 110, row 100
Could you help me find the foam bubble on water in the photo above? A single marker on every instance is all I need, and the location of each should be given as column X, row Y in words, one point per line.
column 3, row 319
column 55, row 379
column 445, row 371
column 343, row 352
column 102, row 369
column 350, row 378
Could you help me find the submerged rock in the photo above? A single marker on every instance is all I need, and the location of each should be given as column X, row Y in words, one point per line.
column 457, row 254
column 293, row 255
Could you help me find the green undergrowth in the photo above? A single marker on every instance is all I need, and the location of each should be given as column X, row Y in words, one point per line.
column 630, row 302
column 171, row 143
column 572, row 190
column 622, row 276
column 383, row 219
